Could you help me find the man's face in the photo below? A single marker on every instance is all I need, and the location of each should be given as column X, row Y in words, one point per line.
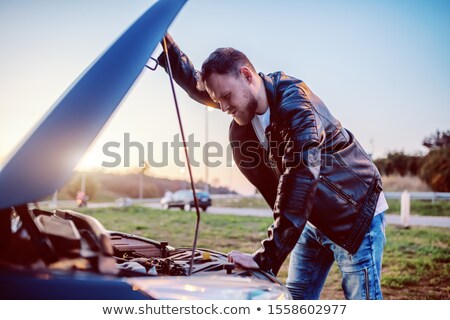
column 233, row 95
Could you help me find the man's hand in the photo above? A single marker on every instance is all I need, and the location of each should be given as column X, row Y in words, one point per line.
column 169, row 40
column 243, row 259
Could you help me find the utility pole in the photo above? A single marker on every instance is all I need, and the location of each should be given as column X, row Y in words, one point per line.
column 183, row 173
column 231, row 176
column 145, row 167
column 207, row 110
column 83, row 182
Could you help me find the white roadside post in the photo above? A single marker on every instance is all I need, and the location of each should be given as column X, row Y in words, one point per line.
column 54, row 202
column 405, row 208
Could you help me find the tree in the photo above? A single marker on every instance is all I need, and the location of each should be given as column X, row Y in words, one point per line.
column 414, row 163
column 437, row 140
column 398, row 163
column 435, row 169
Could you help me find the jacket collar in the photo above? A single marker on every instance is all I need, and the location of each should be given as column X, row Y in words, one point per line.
column 270, row 89
column 271, row 97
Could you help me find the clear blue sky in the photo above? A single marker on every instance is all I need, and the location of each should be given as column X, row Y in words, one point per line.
column 382, row 67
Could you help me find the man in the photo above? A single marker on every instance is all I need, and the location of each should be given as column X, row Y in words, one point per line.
column 325, row 191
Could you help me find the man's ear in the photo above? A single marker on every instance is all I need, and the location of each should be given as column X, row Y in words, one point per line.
column 247, row 74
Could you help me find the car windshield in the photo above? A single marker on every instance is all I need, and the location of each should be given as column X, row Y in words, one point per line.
column 203, row 194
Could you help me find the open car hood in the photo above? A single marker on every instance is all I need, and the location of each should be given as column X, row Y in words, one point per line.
column 46, row 159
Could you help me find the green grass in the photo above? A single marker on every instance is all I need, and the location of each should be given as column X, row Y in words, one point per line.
column 416, row 262
column 418, row 207
column 423, row 207
column 243, row 202
column 220, row 232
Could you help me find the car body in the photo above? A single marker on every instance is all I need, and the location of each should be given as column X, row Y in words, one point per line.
column 166, row 199
column 124, row 202
column 184, row 199
column 64, row 254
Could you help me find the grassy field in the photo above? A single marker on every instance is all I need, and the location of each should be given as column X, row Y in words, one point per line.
column 416, row 261
column 418, row 207
column 244, row 202
column 423, row 207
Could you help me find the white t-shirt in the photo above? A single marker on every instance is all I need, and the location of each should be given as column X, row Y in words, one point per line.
column 261, row 121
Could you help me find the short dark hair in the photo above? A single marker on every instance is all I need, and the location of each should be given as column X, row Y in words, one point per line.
column 225, row 61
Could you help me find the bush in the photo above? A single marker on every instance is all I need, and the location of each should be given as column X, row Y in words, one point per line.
column 435, row 169
column 399, row 163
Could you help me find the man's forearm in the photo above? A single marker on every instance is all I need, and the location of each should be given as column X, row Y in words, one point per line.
column 184, row 73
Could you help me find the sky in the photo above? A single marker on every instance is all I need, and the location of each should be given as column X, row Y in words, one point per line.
column 382, row 68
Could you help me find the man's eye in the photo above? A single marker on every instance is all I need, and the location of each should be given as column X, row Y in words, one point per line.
column 227, row 96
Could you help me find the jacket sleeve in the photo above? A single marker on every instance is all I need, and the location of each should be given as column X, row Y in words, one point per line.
column 297, row 184
column 185, row 74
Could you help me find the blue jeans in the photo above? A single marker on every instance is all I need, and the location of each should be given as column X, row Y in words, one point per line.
column 313, row 255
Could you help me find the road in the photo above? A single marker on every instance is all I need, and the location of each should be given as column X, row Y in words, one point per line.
column 393, row 219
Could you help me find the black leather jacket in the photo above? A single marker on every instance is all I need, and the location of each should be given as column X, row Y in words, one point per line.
column 323, row 173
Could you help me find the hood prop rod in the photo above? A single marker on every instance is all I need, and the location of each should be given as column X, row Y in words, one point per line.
column 188, row 164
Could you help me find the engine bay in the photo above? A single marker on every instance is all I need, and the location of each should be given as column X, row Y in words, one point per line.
column 71, row 241
column 158, row 258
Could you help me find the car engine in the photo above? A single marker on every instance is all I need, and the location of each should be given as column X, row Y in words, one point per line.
column 78, row 242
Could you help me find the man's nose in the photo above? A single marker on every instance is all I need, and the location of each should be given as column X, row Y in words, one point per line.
column 224, row 106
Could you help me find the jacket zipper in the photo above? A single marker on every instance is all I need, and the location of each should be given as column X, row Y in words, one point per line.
column 276, row 172
column 338, row 190
column 273, row 163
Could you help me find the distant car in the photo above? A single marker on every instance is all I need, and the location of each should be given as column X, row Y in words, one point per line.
column 168, row 195
column 124, row 202
column 184, row 199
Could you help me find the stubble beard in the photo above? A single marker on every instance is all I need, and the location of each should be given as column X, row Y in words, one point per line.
column 249, row 111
